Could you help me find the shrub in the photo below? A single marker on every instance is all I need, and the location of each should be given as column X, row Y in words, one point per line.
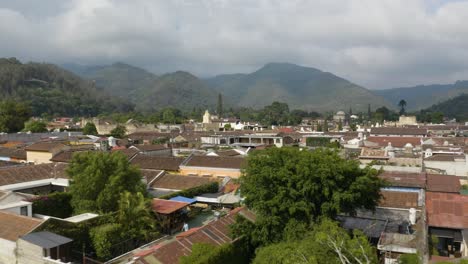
column 104, row 237
column 55, row 204
column 211, row 187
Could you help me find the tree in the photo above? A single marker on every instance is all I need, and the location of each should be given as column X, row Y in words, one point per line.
column 325, row 125
column 326, row 243
column 90, row 129
column 135, row 216
column 437, row 117
column 104, row 237
column 118, row 132
column 34, row 126
column 285, row 184
column 340, row 125
column 98, row 179
column 13, row 115
column 219, row 109
column 169, row 116
column 402, row 105
column 369, row 112
column 227, row 127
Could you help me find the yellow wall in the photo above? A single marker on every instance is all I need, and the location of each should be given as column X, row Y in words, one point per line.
column 214, row 172
column 38, row 157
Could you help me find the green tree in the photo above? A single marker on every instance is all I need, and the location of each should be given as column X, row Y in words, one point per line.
column 369, row 112
column 104, row 237
column 219, row 108
column 409, row 259
column 135, row 216
column 90, row 129
column 118, row 132
column 13, row 115
column 35, row 126
column 227, row 127
column 402, row 105
column 437, row 117
column 285, row 184
column 326, row 243
column 98, row 179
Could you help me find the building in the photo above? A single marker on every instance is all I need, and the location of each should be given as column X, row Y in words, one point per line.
column 212, row 166
column 42, row 152
column 43, row 247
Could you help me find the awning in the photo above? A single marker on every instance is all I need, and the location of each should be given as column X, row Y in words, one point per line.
column 455, row 234
column 183, row 199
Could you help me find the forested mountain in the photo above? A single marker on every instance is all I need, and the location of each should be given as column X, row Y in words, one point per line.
column 120, row 79
column 179, row 89
column 423, row 96
column 456, row 107
column 52, row 90
column 300, row 87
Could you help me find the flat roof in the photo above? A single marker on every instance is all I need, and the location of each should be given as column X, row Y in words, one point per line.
column 46, row 239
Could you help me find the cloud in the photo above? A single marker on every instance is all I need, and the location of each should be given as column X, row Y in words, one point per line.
column 378, row 44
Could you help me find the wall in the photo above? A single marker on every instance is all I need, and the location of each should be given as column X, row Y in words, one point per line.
column 17, row 209
column 458, row 168
column 214, row 172
column 38, row 157
column 7, row 251
column 29, row 253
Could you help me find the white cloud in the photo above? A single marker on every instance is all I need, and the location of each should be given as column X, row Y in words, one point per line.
column 378, row 44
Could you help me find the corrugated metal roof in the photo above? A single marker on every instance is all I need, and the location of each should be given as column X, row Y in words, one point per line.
column 46, row 239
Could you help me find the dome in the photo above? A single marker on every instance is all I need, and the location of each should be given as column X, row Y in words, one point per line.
column 408, row 145
column 340, row 113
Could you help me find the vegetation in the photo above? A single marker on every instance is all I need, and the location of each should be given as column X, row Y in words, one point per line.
column 409, row 259
column 98, row 179
column 118, row 132
column 452, row 108
column 35, row 126
column 51, row 90
column 13, row 115
column 90, row 129
column 192, row 192
column 402, row 105
column 209, row 254
column 326, row 243
column 55, row 204
column 280, row 185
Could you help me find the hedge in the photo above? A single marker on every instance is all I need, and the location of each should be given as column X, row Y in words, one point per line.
column 211, row 187
column 56, row 204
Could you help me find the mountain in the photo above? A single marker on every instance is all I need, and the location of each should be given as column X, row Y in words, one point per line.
column 180, row 89
column 456, row 107
column 120, row 79
column 301, row 87
column 423, row 96
column 52, row 90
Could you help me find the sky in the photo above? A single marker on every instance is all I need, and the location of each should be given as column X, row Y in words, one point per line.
column 377, row 44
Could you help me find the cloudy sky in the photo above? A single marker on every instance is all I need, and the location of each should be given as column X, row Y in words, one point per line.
column 378, row 44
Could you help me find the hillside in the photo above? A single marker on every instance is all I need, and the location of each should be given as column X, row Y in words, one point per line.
column 119, row 79
column 456, row 107
column 423, row 96
column 301, row 87
column 52, row 90
column 179, row 89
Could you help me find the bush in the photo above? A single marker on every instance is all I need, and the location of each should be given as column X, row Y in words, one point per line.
column 55, row 204
column 409, row 259
column 104, row 237
column 192, row 192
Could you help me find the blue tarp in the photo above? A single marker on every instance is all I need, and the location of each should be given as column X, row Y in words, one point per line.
column 183, row 199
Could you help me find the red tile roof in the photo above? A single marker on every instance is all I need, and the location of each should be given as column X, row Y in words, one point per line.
column 216, row 233
column 46, row 146
column 448, row 210
column 399, row 199
column 404, row 179
column 162, row 206
column 179, row 182
column 216, row 162
column 398, row 131
column 443, row 183
column 13, row 226
column 157, row 163
column 28, row 173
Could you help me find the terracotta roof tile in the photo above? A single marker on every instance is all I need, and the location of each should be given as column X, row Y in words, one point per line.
column 398, row 142
column 156, row 162
column 129, row 152
column 45, row 146
column 398, row 131
column 162, row 206
column 179, row 182
column 399, row 199
column 28, row 173
column 443, row 183
column 147, row 148
column 404, row 179
column 448, row 210
column 13, row 226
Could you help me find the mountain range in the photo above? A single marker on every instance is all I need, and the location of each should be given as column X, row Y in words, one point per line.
column 301, row 87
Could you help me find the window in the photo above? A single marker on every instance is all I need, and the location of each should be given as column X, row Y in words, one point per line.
column 24, row 210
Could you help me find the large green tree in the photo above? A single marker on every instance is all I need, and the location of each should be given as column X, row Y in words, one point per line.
column 119, row 131
column 13, row 114
column 98, row 179
column 135, row 216
column 326, row 243
column 35, row 126
column 288, row 186
column 90, row 129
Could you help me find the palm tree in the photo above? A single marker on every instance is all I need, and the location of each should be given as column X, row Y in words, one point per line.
column 402, row 105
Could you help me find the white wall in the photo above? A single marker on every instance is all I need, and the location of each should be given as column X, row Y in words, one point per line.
column 458, row 168
column 7, row 251
column 29, row 253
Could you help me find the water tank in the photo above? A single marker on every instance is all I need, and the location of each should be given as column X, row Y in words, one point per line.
column 412, row 216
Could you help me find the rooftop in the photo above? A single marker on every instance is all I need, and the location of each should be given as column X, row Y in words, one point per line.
column 162, row 206
column 404, row 179
column 13, row 226
column 216, row 162
column 179, row 182
column 443, row 183
column 46, row 239
column 448, row 210
column 398, row 131
column 157, row 163
column 399, row 199
column 20, row 174
column 47, row 146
